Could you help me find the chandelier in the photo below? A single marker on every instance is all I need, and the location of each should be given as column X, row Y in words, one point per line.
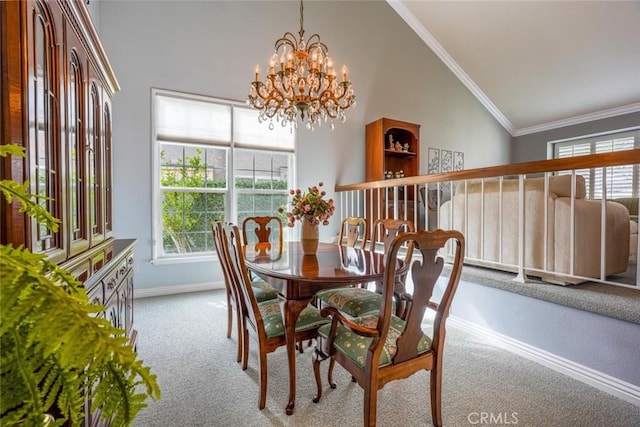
column 301, row 79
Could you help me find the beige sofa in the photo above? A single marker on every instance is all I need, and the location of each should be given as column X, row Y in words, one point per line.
column 499, row 248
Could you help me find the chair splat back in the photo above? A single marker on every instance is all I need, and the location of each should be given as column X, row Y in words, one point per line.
column 356, row 229
column 263, row 231
column 425, row 274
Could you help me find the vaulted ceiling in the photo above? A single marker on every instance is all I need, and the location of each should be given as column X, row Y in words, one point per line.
column 537, row 65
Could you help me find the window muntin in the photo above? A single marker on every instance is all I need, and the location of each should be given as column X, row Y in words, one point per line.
column 261, row 182
column 621, row 181
column 212, row 161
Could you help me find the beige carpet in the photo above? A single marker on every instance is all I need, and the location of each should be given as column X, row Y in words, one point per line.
column 182, row 338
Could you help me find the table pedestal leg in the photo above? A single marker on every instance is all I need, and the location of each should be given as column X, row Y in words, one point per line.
column 290, row 311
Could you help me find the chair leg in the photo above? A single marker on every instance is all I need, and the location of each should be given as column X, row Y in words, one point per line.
column 240, row 328
column 263, row 378
column 245, row 346
column 332, row 363
column 229, row 315
column 317, row 358
column 436, row 390
column 370, row 404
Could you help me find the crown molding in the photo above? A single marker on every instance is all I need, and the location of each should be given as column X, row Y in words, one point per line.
column 444, row 56
column 604, row 114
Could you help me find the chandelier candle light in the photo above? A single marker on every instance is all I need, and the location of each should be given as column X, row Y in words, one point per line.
column 301, row 79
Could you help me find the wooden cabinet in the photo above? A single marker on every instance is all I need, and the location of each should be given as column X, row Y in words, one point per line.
column 386, row 140
column 393, row 147
column 57, row 86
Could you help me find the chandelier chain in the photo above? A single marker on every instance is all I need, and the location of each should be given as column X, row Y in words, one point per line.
column 305, row 84
column 301, row 22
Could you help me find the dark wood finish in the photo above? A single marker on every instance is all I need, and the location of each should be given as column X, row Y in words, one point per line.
column 57, row 86
column 406, row 360
column 57, row 105
column 112, row 287
column 298, row 277
column 380, row 158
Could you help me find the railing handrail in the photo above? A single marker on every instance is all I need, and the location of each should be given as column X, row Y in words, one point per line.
column 616, row 158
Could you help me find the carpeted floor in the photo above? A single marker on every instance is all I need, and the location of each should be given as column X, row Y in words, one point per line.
column 609, row 300
column 182, row 338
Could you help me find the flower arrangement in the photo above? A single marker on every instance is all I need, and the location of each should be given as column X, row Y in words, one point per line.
column 310, row 206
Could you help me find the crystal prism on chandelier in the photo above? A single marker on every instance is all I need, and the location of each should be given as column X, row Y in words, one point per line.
column 301, row 79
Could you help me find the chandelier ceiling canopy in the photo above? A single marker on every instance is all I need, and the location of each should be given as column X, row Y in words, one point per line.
column 301, row 79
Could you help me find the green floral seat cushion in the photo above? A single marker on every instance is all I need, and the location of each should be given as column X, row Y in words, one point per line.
column 262, row 290
column 272, row 316
column 353, row 301
column 355, row 347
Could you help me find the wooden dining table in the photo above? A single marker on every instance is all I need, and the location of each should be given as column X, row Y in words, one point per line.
column 297, row 278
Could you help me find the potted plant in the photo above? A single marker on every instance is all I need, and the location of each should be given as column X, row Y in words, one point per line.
column 55, row 351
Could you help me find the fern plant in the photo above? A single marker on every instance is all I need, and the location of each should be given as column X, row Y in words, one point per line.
column 54, row 349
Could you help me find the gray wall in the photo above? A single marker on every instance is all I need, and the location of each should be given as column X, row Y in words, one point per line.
column 212, row 47
column 531, row 147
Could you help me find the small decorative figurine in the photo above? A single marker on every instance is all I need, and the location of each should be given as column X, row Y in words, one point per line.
column 405, row 147
column 391, row 145
column 398, row 146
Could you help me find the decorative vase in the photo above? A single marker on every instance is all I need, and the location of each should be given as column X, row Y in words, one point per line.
column 309, row 238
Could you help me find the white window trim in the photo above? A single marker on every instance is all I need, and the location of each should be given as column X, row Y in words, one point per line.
column 230, row 208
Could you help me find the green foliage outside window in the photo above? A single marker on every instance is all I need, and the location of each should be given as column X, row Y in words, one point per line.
column 187, row 213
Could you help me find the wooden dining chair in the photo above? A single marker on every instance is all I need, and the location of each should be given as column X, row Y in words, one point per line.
column 359, row 301
column 263, row 319
column 264, row 232
column 233, row 299
column 377, row 349
column 356, row 231
column 262, row 290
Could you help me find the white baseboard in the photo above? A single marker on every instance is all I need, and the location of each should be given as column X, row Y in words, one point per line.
column 601, row 381
column 177, row 289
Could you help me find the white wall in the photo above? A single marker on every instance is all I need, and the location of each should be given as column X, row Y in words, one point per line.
column 212, row 47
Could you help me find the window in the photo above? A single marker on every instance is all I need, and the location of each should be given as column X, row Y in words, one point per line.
column 213, row 161
column 621, row 181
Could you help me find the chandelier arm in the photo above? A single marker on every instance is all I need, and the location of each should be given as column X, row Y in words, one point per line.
column 285, row 40
column 316, row 44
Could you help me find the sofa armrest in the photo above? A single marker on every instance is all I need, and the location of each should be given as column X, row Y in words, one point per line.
column 587, row 237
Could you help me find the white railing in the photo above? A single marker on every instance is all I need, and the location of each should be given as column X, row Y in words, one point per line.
column 530, row 218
